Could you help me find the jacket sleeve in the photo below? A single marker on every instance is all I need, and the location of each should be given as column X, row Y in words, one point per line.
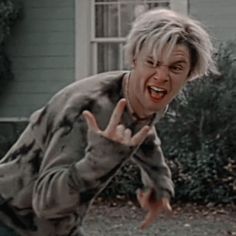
column 66, row 181
column 154, row 171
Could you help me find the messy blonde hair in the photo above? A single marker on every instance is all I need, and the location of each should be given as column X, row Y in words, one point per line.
column 159, row 28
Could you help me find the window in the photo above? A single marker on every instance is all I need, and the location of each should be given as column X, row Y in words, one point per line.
column 107, row 23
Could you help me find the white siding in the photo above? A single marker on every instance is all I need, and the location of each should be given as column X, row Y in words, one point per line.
column 42, row 53
column 218, row 15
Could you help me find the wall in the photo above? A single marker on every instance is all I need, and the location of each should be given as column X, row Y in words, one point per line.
column 219, row 16
column 42, row 53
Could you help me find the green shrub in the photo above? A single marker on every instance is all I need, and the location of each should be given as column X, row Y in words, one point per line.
column 10, row 131
column 199, row 134
column 198, row 139
column 125, row 183
column 10, row 12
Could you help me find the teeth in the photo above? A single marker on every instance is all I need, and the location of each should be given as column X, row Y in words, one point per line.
column 156, row 89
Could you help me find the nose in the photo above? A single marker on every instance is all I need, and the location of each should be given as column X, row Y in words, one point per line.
column 161, row 73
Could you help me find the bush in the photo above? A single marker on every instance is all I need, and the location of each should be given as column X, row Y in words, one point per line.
column 203, row 158
column 10, row 12
column 125, row 183
column 10, row 131
column 198, row 139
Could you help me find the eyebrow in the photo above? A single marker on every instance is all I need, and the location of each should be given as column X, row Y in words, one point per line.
column 174, row 62
column 179, row 61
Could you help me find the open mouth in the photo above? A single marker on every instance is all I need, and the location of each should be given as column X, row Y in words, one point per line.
column 156, row 93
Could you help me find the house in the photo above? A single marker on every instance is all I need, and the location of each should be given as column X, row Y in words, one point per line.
column 60, row 41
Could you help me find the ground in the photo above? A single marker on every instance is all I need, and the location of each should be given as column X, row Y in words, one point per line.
column 123, row 219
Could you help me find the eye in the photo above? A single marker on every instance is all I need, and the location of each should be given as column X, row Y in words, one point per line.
column 177, row 68
column 149, row 62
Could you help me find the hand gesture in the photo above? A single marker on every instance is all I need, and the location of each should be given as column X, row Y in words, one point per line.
column 153, row 207
column 115, row 130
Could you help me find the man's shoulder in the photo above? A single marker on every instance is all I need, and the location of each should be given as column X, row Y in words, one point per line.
column 107, row 82
column 104, row 77
column 86, row 90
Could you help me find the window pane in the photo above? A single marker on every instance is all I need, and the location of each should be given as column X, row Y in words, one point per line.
column 108, row 57
column 106, row 20
column 127, row 17
column 160, row 4
column 131, row 10
column 113, row 19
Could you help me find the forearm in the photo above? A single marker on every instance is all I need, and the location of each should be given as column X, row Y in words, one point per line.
column 61, row 189
column 103, row 157
column 157, row 177
column 154, row 170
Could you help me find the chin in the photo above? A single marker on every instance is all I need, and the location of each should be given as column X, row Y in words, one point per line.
column 154, row 108
column 158, row 105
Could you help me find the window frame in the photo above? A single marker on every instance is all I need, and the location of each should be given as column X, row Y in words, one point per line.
column 85, row 42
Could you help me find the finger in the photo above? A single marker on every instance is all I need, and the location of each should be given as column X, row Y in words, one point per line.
column 143, row 198
column 119, row 133
column 120, row 129
column 154, row 211
column 91, row 121
column 127, row 136
column 116, row 115
column 150, row 218
column 166, row 205
column 140, row 135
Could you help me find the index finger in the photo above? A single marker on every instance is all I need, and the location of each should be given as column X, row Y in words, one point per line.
column 150, row 218
column 91, row 121
column 116, row 115
column 154, row 211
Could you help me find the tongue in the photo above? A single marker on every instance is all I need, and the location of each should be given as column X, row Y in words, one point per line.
column 156, row 95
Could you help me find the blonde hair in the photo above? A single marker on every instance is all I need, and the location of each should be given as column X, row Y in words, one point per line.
column 158, row 28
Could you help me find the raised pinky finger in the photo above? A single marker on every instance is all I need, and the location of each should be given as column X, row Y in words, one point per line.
column 140, row 135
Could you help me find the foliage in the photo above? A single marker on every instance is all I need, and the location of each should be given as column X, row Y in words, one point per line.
column 10, row 11
column 125, row 183
column 199, row 134
column 10, row 131
column 198, row 139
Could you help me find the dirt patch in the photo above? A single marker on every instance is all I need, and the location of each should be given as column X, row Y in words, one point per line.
column 115, row 219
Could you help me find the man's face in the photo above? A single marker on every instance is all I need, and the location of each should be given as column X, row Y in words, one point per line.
column 154, row 85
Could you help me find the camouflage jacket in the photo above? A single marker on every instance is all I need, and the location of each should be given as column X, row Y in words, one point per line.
column 56, row 168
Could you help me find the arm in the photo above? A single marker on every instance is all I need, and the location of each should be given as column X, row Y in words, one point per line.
column 65, row 183
column 156, row 178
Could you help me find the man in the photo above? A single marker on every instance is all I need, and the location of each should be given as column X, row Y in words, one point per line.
column 74, row 145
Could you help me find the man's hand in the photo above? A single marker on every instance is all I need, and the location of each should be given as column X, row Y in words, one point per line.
column 155, row 208
column 115, row 130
